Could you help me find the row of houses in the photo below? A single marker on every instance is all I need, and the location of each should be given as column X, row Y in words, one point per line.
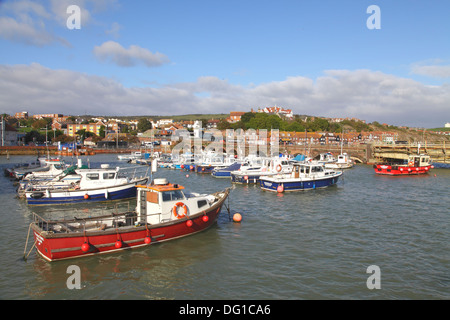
column 235, row 116
column 311, row 138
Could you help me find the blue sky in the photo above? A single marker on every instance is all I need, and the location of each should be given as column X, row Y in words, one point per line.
column 177, row 57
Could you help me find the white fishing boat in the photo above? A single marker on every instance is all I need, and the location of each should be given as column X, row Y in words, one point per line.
column 343, row 161
column 53, row 168
column 103, row 184
column 131, row 156
column 251, row 172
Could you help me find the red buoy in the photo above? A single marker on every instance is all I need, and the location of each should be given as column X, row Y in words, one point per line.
column 189, row 223
column 85, row 247
column 118, row 244
column 280, row 188
column 86, row 196
column 147, row 240
column 205, row 218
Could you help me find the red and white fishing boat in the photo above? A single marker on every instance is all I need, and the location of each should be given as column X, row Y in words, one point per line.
column 414, row 165
column 163, row 212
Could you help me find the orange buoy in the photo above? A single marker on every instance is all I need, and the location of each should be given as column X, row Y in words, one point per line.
column 237, row 217
column 85, row 247
column 147, row 240
column 189, row 223
column 118, row 244
column 280, row 188
column 86, row 196
column 205, row 218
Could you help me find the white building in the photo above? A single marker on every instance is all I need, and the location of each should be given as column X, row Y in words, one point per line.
column 447, row 125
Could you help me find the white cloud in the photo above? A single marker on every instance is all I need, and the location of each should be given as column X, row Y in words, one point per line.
column 26, row 21
column 433, row 71
column 368, row 95
column 115, row 52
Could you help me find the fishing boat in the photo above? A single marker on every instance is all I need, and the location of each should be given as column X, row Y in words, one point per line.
column 326, row 158
column 220, row 172
column 343, row 161
column 102, row 184
column 252, row 173
column 164, row 211
column 54, row 168
column 19, row 170
column 414, row 165
column 131, row 156
column 305, row 176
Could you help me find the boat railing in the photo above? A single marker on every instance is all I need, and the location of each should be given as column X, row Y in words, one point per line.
column 133, row 172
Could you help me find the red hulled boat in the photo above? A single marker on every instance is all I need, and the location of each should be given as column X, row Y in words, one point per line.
column 414, row 165
column 163, row 212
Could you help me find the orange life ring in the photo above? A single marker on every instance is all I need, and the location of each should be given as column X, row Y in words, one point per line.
column 279, row 168
column 411, row 163
column 175, row 210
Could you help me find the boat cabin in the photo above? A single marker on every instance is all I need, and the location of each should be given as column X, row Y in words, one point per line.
column 310, row 170
column 98, row 178
column 421, row 160
column 162, row 201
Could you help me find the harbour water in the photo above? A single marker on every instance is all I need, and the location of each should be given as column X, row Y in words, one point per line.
column 315, row 244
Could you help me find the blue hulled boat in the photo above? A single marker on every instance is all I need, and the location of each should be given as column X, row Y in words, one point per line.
column 225, row 172
column 304, row 176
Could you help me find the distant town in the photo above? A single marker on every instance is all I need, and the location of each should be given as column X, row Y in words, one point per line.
column 24, row 129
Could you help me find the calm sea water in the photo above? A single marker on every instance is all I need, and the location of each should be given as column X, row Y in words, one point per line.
column 316, row 244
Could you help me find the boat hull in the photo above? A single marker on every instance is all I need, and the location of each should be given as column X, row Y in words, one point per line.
column 52, row 246
column 83, row 196
column 289, row 185
column 245, row 178
column 393, row 170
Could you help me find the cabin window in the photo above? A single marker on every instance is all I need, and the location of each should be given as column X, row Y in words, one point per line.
column 108, row 175
column 152, row 197
column 172, row 195
column 92, row 176
column 201, row 203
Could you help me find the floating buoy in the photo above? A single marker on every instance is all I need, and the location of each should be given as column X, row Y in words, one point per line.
column 118, row 244
column 245, row 177
column 205, row 218
column 187, row 176
column 147, row 240
column 189, row 223
column 86, row 196
column 182, row 166
column 85, row 247
column 237, row 217
column 280, row 188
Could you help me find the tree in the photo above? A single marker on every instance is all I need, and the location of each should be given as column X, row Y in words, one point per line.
column 223, row 125
column 144, row 125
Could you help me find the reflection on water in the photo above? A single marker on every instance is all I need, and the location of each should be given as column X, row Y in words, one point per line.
column 315, row 244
